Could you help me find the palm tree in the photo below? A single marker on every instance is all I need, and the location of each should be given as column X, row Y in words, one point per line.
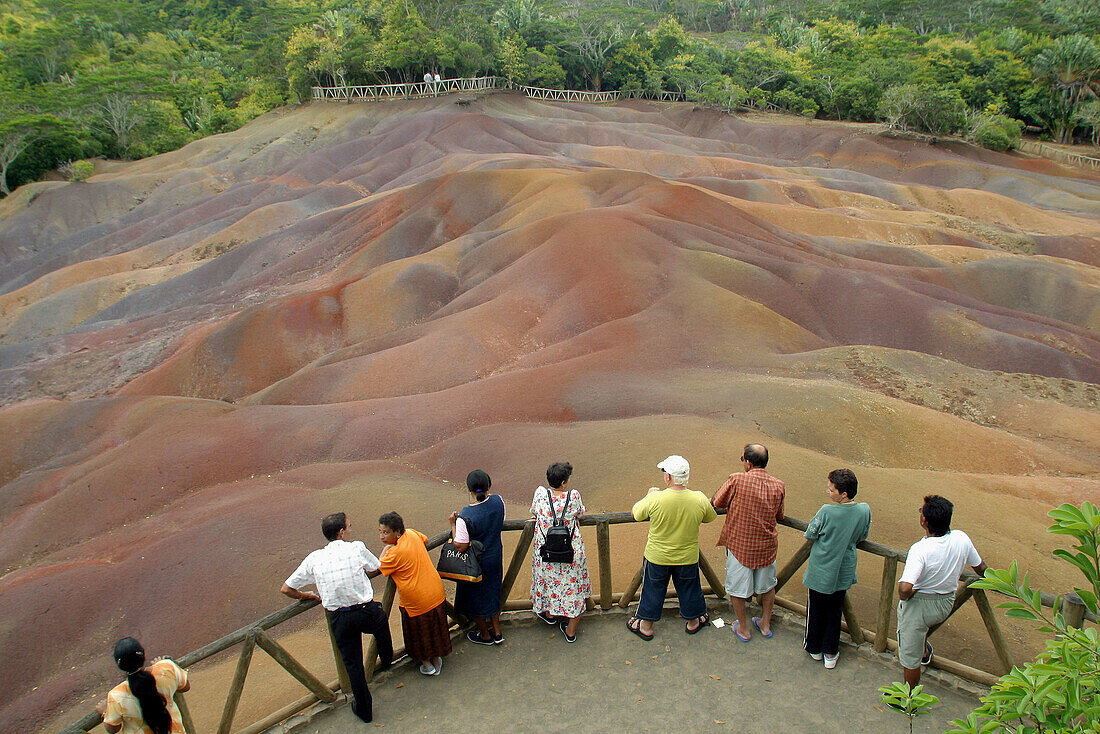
column 1071, row 66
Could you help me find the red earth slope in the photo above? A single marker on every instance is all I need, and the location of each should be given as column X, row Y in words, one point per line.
column 202, row 353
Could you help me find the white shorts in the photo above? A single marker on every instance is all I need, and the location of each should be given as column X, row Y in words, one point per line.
column 744, row 582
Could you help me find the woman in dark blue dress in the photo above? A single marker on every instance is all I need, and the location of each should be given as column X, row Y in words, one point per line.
column 481, row 520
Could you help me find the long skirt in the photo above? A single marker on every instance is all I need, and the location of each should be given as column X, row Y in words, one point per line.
column 426, row 635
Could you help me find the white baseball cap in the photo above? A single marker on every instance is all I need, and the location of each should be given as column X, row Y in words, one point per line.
column 675, row 465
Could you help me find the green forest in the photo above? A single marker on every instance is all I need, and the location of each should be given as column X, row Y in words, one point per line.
column 81, row 79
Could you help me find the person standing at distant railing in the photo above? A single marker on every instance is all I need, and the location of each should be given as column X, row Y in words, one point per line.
column 145, row 702
column 836, row 529
column 339, row 571
column 559, row 589
column 929, row 582
column 438, row 83
column 424, row 624
column 755, row 501
column 672, row 549
column 481, row 520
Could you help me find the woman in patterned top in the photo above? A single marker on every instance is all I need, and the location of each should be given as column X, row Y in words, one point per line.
column 559, row 589
column 143, row 704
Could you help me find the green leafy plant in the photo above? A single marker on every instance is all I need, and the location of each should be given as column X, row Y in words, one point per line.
column 995, row 131
column 81, row 170
column 1060, row 690
column 912, row 702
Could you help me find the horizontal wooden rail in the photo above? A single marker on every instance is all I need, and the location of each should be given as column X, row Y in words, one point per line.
column 255, row 634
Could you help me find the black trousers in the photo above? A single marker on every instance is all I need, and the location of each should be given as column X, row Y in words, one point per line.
column 823, row 615
column 349, row 624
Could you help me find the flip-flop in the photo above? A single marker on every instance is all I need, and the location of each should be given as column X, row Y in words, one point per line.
column 756, row 624
column 737, row 633
column 705, row 620
column 636, row 629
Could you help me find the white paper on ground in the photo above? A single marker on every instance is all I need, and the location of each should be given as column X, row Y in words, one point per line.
column 719, row 622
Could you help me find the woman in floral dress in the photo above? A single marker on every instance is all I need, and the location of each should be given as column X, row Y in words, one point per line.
column 559, row 590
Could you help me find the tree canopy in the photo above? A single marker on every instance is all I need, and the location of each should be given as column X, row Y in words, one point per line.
column 132, row 78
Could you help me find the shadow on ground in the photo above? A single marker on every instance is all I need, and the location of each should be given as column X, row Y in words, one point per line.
column 610, row 679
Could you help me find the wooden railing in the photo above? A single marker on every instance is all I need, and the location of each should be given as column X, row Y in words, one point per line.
column 256, row 634
column 1057, row 154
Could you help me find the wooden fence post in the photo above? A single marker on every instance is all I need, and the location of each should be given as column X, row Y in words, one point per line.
column 518, row 557
column 603, row 546
column 793, row 565
column 389, row 592
column 341, row 671
column 854, row 630
column 717, row 585
column 886, row 601
column 632, row 588
column 292, row 666
column 1073, row 610
column 961, row 598
column 237, row 685
column 185, row 713
column 994, row 629
column 459, row 619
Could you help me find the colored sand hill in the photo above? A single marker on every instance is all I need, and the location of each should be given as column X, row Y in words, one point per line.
column 351, row 306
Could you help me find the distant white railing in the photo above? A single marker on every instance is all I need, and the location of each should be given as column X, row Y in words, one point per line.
column 412, row 90
column 1057, row 154
column 409, row 90
column 569, row 95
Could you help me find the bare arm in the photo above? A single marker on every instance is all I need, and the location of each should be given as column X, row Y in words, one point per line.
column 295, row 594
column 460, row 547
column 980, row 569
column 905, row 590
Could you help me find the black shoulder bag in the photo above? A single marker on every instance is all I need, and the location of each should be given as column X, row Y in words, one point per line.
column 459, row 565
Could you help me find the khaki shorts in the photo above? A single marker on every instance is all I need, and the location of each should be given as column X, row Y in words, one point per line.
column 744, row 582
column 915, row 616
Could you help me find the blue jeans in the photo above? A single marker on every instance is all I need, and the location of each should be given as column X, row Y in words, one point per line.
column 655, row 583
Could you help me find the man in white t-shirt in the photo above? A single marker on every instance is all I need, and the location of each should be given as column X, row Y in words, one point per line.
column 339, row 572
column 928, row 583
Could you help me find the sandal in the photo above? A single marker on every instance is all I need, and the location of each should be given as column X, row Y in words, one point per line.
column 737, row 633
column 702, row 623
column 635, row 625
column 756, row 624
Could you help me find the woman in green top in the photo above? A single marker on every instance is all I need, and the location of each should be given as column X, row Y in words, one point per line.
column 831, row 570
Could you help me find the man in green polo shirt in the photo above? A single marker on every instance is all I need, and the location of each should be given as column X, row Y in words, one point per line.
column 672, row 550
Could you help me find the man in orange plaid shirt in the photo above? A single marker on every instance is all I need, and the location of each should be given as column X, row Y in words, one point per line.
column 755, row 502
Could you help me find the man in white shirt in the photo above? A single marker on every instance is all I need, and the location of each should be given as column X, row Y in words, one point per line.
column 928, row 583
column 339, row 572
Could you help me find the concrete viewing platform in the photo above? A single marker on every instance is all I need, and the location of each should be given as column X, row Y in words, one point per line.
column 611, row 679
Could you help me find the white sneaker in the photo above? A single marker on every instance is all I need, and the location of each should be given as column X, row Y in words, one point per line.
column 830, row 662
column 814, row 655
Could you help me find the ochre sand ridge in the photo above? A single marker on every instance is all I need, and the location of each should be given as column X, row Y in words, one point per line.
column 346, row 305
